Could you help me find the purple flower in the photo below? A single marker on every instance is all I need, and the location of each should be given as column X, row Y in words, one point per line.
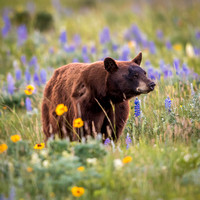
column 107, row 142
column 152, row 47
column 84, row 50
column 23, row 59
column 168, row 45
column 93, row 50
column 21, row 35
column 168, row 103
column 176, row 65
column 86, row 59
column 137, row 34
column 125, row 53
column 28, row 104
column 27, row 76
column 69, row 49
column 11, row 84
column 43, row 76
column 36, row 79
column 75, row 60
column 63, row 37
column 114, row 47
column 198, row 35
column 33, row 61
column 185, row 69
column 137, row 107
column 159, row 34
column 18, row 74
column 104, row 36
column 77, row 39
column 7, row 26
column 128, row 141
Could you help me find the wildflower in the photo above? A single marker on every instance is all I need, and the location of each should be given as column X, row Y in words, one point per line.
column 61, row 109
column 168, row 45
column 77, row 39
column 39, row 146
column 107, row 142
column 45, row 163
column 187, row 157
column 77, row 191
column 137, row 107
column 189, row 50
column 104, row 36
column 29, row 169
column 159, row 34
column 181, row 106
column 15, row 138
column 27, row 76
column 52, row 194
column 23, row 59
column 3, row 147
column 33, row 61
column 5, row 107
column 118, row 164
column 125, row 53
column 43, row 76
column 28, row 104
column 11, row 84
column 92, row 161
column 29, row 89
column 21, row 34
column 177, row 47
column 81, row 169
column 128, row 141
column 192, row 89
column 63, row 37
column 18, row 74
column 78, row 123
column 127, row 159
column 7, row 26
column 152, row 47
column 168, row 103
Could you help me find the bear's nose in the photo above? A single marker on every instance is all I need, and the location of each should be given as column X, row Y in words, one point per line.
column 151, row 85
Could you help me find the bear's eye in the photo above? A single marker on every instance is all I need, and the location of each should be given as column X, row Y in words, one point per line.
column 145, row 73
column 135, row 76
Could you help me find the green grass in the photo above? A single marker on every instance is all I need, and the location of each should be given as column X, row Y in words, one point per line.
column 165, row 146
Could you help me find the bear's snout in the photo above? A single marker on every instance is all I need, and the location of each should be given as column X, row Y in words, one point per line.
column 151, row 86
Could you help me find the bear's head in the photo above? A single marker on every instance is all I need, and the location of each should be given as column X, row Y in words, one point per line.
column 126, row 79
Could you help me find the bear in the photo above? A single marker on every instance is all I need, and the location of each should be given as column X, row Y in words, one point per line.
column 98, row 93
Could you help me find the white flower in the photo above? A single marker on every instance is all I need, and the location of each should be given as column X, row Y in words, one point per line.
column 44, row 152
column 45, row 163
column 92, row 161
column 35, row 159
column 164, row 168
column 187, row 157
column 118, row 164
column 189, row 50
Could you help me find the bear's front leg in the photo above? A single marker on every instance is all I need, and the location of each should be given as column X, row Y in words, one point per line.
column 113, row 125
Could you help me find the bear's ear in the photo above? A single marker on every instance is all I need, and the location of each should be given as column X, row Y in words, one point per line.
column 110, row 65
column 138, row 59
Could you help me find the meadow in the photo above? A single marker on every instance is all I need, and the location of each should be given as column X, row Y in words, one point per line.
column 158, row 155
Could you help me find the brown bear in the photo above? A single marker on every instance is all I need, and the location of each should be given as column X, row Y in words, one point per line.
column 96, row 92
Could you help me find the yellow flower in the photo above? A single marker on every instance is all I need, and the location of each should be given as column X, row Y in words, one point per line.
column 127, row 159
column 39, row 146
column 3, row 147
column 15, row 138
column 52, row 194
column 29, row 169
column 81, row 169
column 177, row 47
column 180, row 106
column 29, row 89
column 78, row 123
column 61, row 109
column 4, row 107
column 77, row 191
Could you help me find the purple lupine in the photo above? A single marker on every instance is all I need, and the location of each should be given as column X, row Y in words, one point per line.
column 86, row 59
column 75, row 60
column 7, row 26
column 137, row 34
column 11, row 84
column 43, row 76
column 159, row 34
column 137, row 107
column 69, row 49
column 104, row 36
column 77, row 39
column 21, row 35
column 93, row 50
column 36, row 79
column 63, row 37
column 33, row 61
column 114, row 47
column 27, row 76
column 197, row 35
column 168, row 45
column 23, row 59
column 128, row 141
column 28, row 104
column 185, row 69
column 107, row 142
column 152, row 47
column 168, row 103
column 176, row 65
column 84, row 50
column 125, row 53
column 18, row 74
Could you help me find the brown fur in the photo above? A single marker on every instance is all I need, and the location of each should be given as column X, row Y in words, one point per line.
column 90, row 90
